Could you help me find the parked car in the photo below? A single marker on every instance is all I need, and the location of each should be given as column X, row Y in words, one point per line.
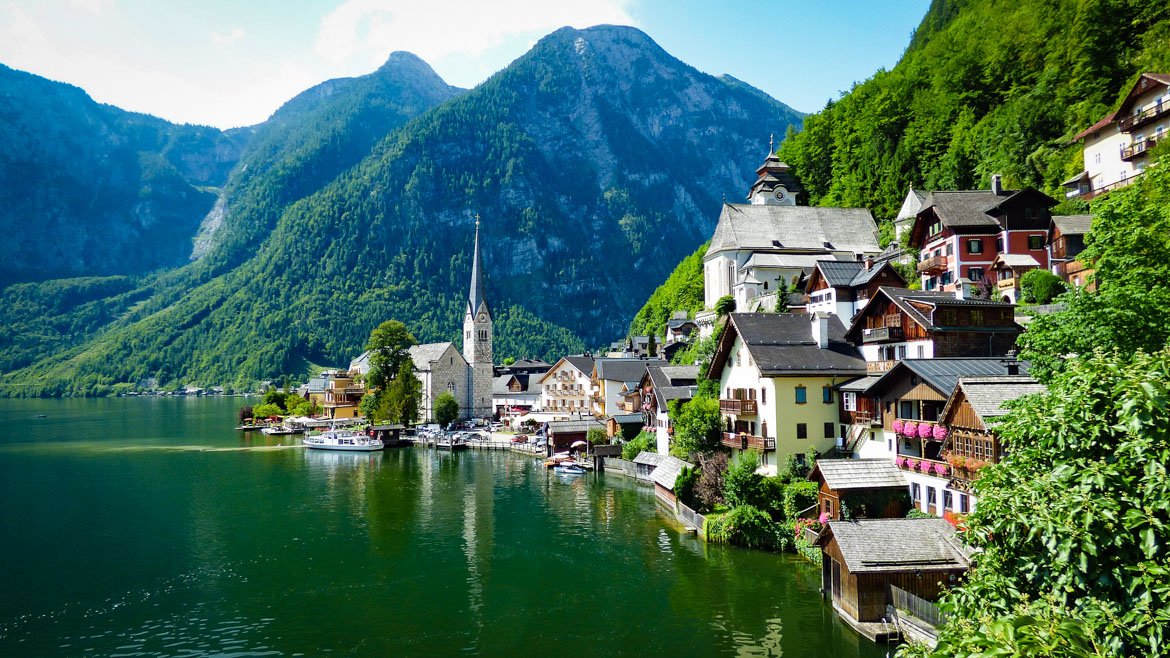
column 520, row 438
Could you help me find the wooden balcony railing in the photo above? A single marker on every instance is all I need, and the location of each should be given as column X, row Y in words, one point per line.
column 879, row 334
column 925, row 466
column 1006, row 284
column 1138, row 148
column 740, row 441
column 932, row 265
column 1147, row 115
column 878, row 367
column 738, row 407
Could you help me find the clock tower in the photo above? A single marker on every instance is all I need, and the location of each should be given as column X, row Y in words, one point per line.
column 477, row 343
column 775, row 185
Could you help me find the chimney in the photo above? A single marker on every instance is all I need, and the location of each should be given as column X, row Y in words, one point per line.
column 1012, row 363
column 868, row 263
column 964, row 289
column 996, row 184
column 820, row 329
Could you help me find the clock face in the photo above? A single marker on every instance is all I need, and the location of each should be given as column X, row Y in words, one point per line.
column 483, row 317
column 779, row 194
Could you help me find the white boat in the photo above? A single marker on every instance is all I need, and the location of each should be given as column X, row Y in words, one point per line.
column 278, row 430
column 569, row 469
column 343, row 440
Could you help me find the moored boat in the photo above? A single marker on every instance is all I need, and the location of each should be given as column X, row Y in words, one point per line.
column 569, row 469
column 343, row 440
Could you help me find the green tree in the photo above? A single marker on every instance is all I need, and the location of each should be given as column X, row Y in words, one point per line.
column 696, row 426
column 596, row 436
column 389, row 346
column 644, row 442
column 1040, row 287
column 741, row 484
column 446, row 409
column 725, row 305
column 267, row 411
column 1073, row 526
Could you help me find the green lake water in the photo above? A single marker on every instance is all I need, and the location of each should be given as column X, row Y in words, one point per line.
column 149, row 527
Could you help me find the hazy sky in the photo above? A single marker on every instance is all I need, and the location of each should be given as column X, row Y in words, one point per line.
column 231, row 63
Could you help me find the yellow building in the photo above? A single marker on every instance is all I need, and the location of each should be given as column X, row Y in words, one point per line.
column 777, row 377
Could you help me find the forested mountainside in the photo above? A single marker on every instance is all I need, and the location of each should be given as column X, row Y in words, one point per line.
column 985, row 86
column 682, row 291
column 595, row 161
column 89, row 189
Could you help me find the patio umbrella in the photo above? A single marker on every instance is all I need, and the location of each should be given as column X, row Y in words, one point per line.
column 579, row 444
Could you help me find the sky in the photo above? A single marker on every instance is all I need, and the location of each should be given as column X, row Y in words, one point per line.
column 230, row 63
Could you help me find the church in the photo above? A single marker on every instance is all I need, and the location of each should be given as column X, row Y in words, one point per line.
column 441, row 367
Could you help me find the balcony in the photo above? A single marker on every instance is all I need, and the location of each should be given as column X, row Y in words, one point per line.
column 878, row 367
column 1147, row 115
column 881, row 334
column 1138, row 149
column 930, row 467
column 1006, row 284
column 933, row 265
column 748, row 442
column 738, row 407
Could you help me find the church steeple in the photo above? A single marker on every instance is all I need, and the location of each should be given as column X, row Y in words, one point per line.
column 475, row 294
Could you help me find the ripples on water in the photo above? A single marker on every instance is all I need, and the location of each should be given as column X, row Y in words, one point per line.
column 209, row 542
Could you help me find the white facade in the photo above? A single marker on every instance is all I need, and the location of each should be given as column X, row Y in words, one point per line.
column 1103, row 162
column 929, row 490
column 662, row 431
column 1115, row 148
column 910, row 349
column 565, row 389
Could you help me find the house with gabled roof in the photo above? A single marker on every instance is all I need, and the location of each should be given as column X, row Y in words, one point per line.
column 611, row 377
column 968, row 416
column 845, row 287
column 777, row 375
column 859, row 488
column 659, row 387
column 1006, row 272
column 898, row 323
column 567, row 387
column 1117, row 147
column 869, row 564
column 1066, row 241
column 912, row 397
column 959, row 233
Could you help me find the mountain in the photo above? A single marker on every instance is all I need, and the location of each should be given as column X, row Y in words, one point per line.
column 985, row 86
column 89, row 189
column 308, row 142
column 594, row 161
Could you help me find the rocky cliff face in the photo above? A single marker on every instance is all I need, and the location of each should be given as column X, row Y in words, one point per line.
column 596, row 161
column 89, row 189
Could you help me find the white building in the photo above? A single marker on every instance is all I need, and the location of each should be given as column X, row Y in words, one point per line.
column 567, row 387
column 1117, row 146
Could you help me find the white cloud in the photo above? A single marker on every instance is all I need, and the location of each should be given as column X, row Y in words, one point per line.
column 95, row 7
column 231, row 36
column 368, row 30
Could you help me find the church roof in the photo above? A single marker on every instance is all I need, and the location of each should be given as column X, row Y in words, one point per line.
column 475, row 297
column 424, row 355
column 778, row 229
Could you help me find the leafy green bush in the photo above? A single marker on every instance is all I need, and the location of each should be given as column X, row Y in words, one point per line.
column 1040, row 287
column 267, row 411
column 750, row 527
column 644, row 442
column 684, row 487
column 725, row 305
column 596, row 436
column 916, row 513
column 799, row 496
column 742, row 485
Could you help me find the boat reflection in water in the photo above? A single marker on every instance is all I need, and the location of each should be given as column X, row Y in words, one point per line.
column 332, row 460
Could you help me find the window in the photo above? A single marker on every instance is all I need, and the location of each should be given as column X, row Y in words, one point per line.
column 975, row 273
column 974, row 246
column 763, row 395
column 802, row 430
column 828, row 507
column 801, row 395
column 921, row 351
column 931, row 496
column 906, row 409
column 1096, row 158
column 950, row 249
column 850, row 401
column 901, row 352
column 827, row 394
column 764, row 429
column 1035, row 242
column 915, row 493
column 976, row 317
column 947, row 499
column 963, row 504
column 999, row 244
column 830, row 430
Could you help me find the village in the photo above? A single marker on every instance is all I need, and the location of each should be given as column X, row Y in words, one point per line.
column 878, row 372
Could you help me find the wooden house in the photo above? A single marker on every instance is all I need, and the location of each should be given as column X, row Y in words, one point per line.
column 916, row 324
column 660, row 386
column 860, row 488
column 912, row 396
column 1066, row 241
column 970, row 443
column 865, row 560
column 845, row 287
column 562, row 434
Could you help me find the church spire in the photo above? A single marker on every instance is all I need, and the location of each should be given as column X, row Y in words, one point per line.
column 475, row 295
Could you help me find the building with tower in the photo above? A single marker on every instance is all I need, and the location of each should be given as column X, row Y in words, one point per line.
column 477, row 342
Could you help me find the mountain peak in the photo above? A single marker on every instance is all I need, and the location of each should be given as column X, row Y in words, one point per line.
column 401, row 61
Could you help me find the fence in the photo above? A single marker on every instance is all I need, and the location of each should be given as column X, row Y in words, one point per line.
column 622, row 466
column 690, row 516
column 917, row 606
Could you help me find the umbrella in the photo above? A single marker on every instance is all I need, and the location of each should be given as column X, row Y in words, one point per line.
column 579, row 444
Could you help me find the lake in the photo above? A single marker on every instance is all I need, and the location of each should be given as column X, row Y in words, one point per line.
column 150, row 527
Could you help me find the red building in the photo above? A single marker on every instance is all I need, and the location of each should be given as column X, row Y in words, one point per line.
column 959, row 234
